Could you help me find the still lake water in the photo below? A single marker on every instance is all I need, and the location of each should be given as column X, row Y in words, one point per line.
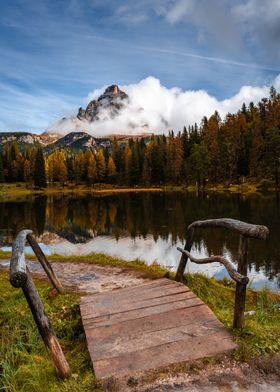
column 149, row 226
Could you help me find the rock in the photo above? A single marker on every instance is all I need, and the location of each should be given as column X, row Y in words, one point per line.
column 107, row 105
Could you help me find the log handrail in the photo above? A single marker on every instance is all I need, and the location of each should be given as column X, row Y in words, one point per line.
column 236, row 276
column 20, row 276
column 246, row 231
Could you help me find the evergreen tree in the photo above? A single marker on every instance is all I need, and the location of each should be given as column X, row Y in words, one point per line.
column 1, row 170
column 39, row 170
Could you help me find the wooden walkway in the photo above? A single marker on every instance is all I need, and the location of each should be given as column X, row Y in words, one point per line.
column 156, row 324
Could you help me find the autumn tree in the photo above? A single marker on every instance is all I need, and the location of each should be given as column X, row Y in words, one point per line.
column 91, row 169
column 111, row 169
column 101, row 165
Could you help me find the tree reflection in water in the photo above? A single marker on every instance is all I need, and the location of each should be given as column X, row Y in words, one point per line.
column 162, row 215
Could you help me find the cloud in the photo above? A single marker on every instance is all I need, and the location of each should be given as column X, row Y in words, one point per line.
column 34, row 110
column 155, row 108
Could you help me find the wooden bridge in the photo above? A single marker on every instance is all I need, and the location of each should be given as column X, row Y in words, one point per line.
column 149, row 326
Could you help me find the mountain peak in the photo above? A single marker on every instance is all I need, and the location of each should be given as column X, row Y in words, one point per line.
column 110, row 100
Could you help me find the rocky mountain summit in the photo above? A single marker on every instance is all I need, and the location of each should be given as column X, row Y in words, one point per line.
column 107, row 105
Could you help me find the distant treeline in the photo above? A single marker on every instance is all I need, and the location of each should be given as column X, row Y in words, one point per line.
column 245, row 144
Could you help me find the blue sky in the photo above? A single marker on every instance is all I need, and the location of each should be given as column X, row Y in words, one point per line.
column 55, row 53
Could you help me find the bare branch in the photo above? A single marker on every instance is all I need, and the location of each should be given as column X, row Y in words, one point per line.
column 236, row 276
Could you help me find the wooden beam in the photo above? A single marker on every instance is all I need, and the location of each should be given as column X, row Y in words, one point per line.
column 18, row 265
column 44, row 326
column 246, row 229
column 240, row 292
column 184, row 257
column 21, row 277
column 44, row 262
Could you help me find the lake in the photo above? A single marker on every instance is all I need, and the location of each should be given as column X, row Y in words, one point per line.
column 149, row 226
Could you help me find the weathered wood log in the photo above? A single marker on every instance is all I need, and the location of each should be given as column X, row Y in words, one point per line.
column 21, row 277
column 18, row 265
column 184, row 257
column 240, row 292
column 44, row 262
column 246, row 229
column 44, row 326
column 236, row 276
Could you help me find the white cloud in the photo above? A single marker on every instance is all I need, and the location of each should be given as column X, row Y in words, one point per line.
column 155, row 108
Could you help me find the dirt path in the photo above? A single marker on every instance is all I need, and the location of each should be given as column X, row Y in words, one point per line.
column 86, row 278
column 221, row 374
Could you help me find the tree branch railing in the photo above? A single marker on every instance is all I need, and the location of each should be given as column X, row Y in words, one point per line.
column 236, row 276
column 246, row 231
column 20, row 276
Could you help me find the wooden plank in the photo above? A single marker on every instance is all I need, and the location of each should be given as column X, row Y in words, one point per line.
column 127, row 291
column 139, row 313
column 101, row 302
column 164, row 355
column 91, row 311
column 144, row 340
column 149, row 326
column 131, row 328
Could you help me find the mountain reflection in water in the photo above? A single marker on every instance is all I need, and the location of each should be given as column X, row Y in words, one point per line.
column 149, row 226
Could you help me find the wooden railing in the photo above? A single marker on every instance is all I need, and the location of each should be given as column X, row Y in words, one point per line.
column 20, row 276
column 246, row 231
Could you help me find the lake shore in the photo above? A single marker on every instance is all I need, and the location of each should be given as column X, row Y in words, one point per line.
column 10, row 191
column 255, row 362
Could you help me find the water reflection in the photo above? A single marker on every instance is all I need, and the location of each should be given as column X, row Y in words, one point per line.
column 147, row 225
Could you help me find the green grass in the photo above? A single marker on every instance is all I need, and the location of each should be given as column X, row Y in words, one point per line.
column 261, row 335
column 25, row 365
column 24, row 362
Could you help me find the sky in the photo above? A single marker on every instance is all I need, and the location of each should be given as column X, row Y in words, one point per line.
column 177, row 58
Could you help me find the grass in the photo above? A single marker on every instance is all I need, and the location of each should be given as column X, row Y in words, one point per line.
column 14, row 191
column 26, row 367
column 261, row 335
column 24, row 362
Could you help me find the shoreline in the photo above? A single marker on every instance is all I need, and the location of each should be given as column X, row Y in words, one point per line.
column 13, row 190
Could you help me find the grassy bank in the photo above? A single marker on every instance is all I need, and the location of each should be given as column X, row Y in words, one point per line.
column 25, row 365
column 24, row 362
column 17, row 190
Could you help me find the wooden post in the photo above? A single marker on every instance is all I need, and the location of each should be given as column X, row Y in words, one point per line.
column 44, row 262
column 17, row 264
column 21, row 277
column 184, row 257
column 44, row 326
column 240, row 292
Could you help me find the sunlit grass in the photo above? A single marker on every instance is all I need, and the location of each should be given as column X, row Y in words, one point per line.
column 24, row 361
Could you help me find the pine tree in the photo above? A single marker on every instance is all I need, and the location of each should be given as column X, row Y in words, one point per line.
column 39, row 170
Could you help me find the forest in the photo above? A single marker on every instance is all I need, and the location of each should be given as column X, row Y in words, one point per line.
column 245, row 145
